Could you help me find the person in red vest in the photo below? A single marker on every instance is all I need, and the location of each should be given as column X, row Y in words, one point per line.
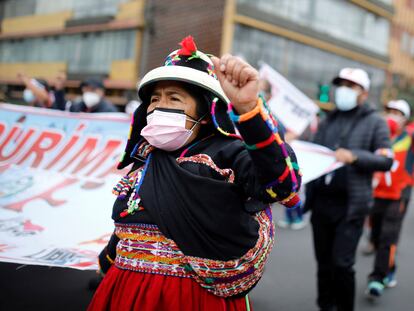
column 392, row 193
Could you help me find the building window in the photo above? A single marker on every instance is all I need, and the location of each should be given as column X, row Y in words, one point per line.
column 90, row 54
column 13, row 8
column 412, row 47
column 303, row 65
column 337, row 18
column 80, row 8
column 93, row 8
column 405, row 42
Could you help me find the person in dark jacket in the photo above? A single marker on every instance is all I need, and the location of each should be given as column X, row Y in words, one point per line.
column 93, row 99
column 340, row 200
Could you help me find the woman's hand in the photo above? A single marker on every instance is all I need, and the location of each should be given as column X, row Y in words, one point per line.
column 239, row 81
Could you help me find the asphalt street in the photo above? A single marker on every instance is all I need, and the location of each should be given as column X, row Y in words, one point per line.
column 289, row 282
column 287, row 285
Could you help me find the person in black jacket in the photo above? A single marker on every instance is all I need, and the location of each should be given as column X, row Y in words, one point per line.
column 340, row 200
column 93, row 99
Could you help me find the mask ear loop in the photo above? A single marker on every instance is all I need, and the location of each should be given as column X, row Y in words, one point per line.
column 213, row 115
column 195, row 121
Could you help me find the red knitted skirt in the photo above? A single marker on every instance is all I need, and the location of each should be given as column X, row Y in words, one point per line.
column 129, row 290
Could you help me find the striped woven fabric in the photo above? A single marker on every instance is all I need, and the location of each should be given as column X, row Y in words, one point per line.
column 143, row 248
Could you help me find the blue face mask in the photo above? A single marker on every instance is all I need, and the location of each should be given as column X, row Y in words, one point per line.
column 346, row 98
column 28, row 96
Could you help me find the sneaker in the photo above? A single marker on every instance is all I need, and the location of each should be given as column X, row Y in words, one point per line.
column 298, row 224
column 390, row 281
column 283, row 224
column 374, row 289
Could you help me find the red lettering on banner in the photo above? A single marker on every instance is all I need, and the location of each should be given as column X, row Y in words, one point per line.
column 111, row 170
column 87, row 185
column 38, row 150
column 30, row 227
column 18, row 146
column 4, row 247
column 4, row 168
column 73, row 140
column 46, row 195
column 103, row 239
column 2, row 128
column 87, row 156
column 85, row 264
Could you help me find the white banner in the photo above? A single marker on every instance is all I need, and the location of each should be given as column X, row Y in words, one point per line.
column 57, row 170
column 314, row 160
column 293, row 108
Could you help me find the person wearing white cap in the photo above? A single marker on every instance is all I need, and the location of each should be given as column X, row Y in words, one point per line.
column 400, row 107
column 352, row 88
column 392, row 194
column 340, row 200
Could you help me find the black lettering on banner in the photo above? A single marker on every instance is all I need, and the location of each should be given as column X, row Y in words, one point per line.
column 58, row 256
column 15, row 227
column 296, row 109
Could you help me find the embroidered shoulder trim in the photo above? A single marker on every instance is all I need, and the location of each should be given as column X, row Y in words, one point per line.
column 201, row 158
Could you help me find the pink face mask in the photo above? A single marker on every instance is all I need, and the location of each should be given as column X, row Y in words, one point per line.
column 166, row 130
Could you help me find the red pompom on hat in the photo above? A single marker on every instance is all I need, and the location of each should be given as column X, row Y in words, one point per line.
column 188, row 46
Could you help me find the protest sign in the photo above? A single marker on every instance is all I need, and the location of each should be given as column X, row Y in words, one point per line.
column 293, row 108
column 57, row 170
column 314, row 160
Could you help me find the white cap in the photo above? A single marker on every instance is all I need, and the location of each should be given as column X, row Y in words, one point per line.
column 400, row 105
column 355, row 75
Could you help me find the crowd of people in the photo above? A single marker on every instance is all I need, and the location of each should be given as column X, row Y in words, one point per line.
column 39, row 93
column 373, row 187
column 193, row 223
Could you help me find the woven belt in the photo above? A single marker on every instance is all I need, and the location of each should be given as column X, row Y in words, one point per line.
column 144, row 248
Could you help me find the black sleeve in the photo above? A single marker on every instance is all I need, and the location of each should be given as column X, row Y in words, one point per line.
column 106, row 106
column 60, row 101
column 77, row 107
column 113, row 108
column 380, row 157
column 107, row 256
column 267, row 168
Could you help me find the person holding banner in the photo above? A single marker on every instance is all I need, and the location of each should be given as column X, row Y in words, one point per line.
column 193, row 226
column 340, row 200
